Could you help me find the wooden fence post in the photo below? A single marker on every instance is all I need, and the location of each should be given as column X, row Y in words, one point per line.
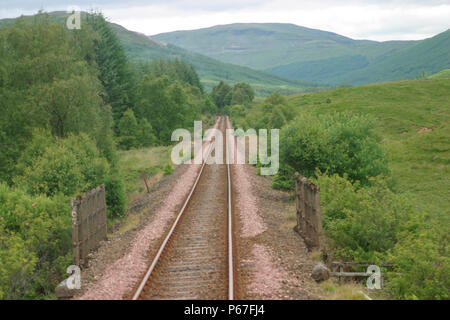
column 145, row 181
column 309, row 217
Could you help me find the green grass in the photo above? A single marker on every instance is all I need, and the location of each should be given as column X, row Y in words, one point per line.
column 419, row 161
column 332, row 290
column 150, row 160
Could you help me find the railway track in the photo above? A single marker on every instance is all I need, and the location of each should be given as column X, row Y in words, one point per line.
column 195, row 260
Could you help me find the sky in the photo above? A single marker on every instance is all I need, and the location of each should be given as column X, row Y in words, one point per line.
column 379, row 20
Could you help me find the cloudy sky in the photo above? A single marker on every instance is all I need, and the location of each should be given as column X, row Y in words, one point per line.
column 364, row 19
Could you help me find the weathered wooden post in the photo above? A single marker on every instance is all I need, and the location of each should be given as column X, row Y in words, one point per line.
column 144, row 177
column 89, row 224
column 309, row 217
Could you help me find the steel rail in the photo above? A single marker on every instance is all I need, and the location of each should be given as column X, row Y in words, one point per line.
column 230, row 224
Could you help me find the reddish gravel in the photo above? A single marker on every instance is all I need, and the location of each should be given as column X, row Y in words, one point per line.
column 251, row 222
column 268, row 278
column 271, row 255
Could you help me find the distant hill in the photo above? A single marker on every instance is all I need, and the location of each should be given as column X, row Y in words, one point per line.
column 323, row 71
column 443, row 74
column 211, row 71
column 301, row 53
column 267, row 45
column 430, row 55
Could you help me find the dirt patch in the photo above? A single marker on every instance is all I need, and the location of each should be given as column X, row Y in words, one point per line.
column 425, row 129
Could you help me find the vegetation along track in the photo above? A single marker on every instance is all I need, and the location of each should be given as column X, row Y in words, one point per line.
column 195, row 260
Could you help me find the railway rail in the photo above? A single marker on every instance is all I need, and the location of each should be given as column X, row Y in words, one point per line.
column 196, row 258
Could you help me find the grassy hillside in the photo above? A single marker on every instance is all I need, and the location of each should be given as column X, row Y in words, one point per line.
column 267, row 45
column 430, row 55
column 414, row 121
column 322, row 71
column 443, row 74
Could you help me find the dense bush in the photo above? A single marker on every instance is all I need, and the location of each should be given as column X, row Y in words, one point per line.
column 66, row 166
column 375, row 224
column 284, row 179
column 35, row 239
column 339, row 143
column 422, row 264
column 363, row 224
column 115, row 196
column 273, row 113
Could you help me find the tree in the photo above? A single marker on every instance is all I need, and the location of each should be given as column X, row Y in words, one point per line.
column 45, row 82
column 128, row 130
column 146, row 137
column 114, row 72
column 219, row 93
column 243, row 93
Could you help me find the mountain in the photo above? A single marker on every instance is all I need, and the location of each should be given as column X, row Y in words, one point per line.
column 301, row 53
column 267, row 45
column 140, row 47
column 211, row 71
column 429, row 55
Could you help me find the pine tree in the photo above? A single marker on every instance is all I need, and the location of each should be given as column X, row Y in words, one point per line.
column 114, row 72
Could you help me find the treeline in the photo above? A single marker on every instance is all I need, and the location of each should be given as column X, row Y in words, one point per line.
column 364, row 219
column 68, row 99
column 225, row 95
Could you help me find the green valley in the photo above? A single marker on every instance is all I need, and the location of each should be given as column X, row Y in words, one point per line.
column 301, row 53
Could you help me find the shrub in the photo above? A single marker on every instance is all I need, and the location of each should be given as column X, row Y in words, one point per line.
column 339, row 143
column 66, row 166
column 35, row 238
column 53, row 172
column 168, row 169
column 115, row 196
column 422, row 264
column 363, row 224
column 284, row 179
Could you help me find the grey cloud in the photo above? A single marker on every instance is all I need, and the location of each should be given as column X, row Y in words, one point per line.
column 206, row 5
